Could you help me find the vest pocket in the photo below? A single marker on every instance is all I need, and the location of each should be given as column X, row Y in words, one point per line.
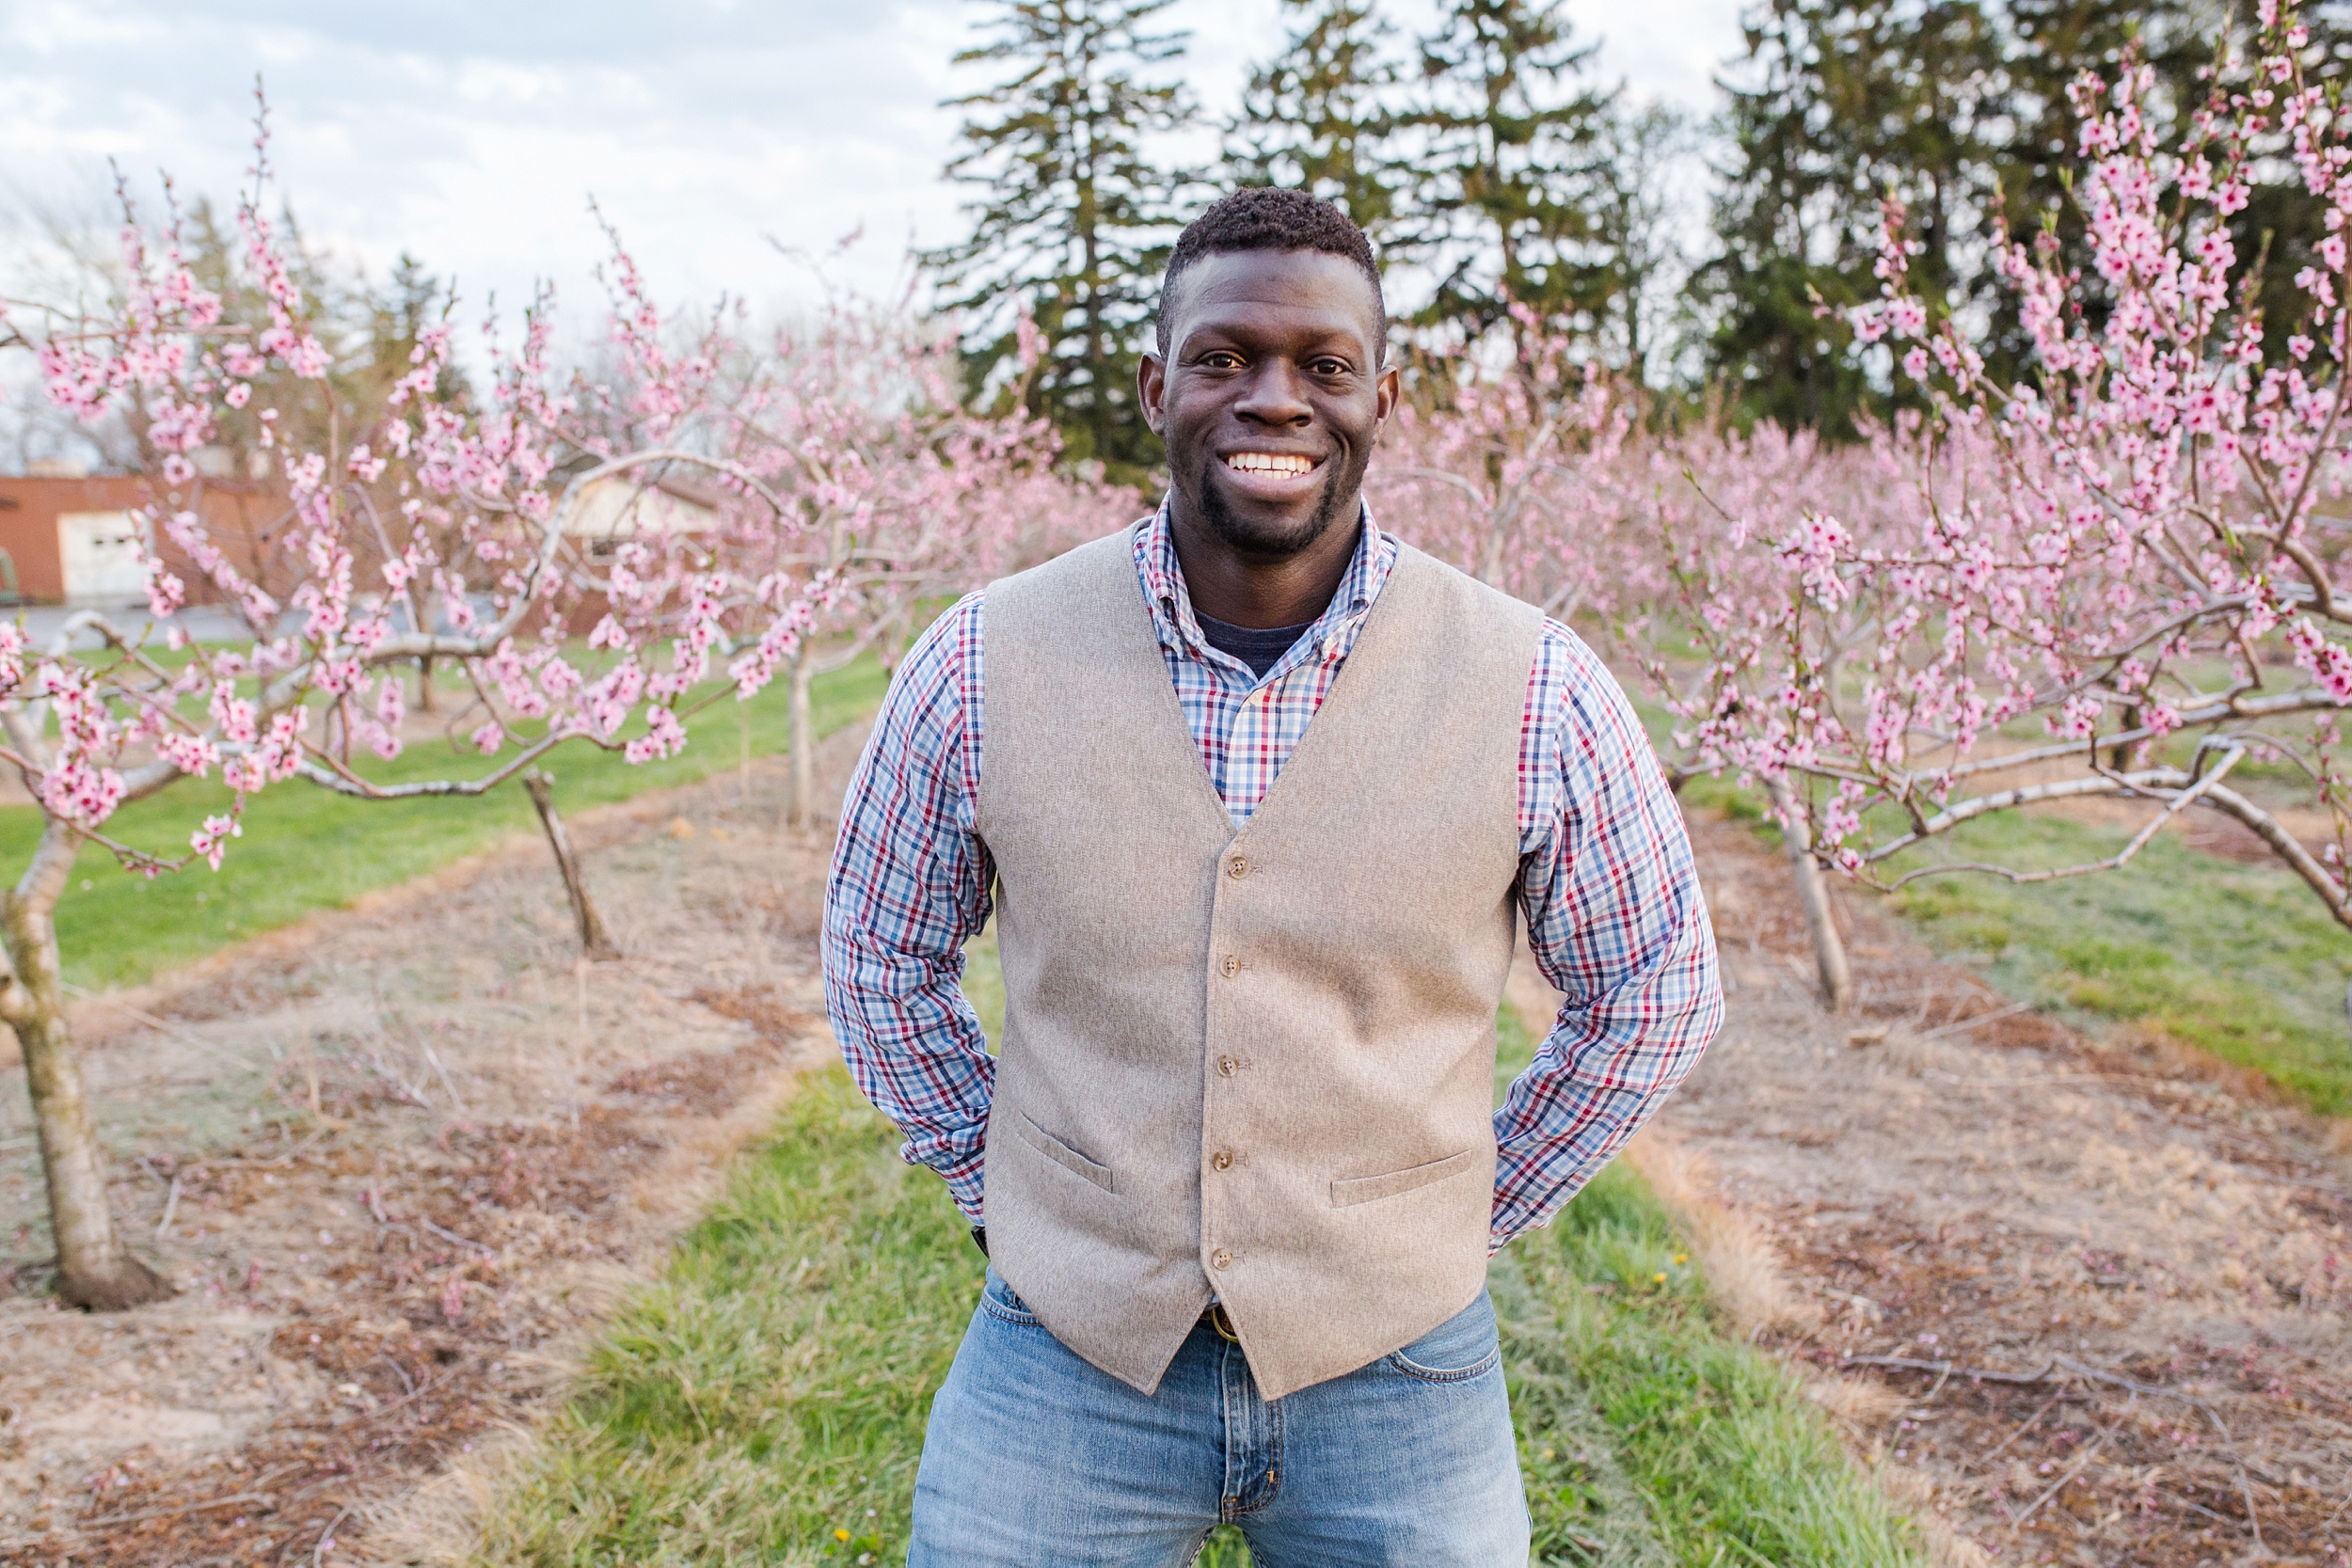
column 1061, row 1153
column 1368, row 1189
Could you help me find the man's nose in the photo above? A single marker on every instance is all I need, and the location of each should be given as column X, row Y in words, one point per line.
column 1275, row 397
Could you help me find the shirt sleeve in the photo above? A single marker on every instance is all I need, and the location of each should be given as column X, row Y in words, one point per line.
column 909, row 886
column 1616, row 921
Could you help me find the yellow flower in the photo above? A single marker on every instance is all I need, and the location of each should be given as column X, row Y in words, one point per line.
column 1658, row 1279
column 1682, row 1257
column 841, row 1535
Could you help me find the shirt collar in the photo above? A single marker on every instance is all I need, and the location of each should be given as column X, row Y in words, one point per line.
column 1171, row 602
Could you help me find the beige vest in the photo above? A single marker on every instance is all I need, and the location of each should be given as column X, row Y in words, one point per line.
column 1260, row 1063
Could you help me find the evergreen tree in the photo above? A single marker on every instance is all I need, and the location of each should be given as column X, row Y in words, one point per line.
column 1318, row 118
column 1847, row 103
column 1960, row 108
column 411, row 300
column 1076, row 219
column 1499, row 167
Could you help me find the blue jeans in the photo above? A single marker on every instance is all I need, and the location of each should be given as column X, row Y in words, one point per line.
column 1035, row 1459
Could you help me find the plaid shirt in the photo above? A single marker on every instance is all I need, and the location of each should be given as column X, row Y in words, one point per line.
column 1614, row 915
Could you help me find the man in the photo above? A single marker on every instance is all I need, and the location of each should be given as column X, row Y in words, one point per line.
column 1255, row 793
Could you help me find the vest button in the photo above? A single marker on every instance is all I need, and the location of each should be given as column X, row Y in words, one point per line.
column 1237, row 867
column 1222, row 1161
column 1221, row 1258
column 1231, row 967
column 1227, row 1067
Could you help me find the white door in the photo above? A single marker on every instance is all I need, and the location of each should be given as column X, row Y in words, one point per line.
column 101, row 553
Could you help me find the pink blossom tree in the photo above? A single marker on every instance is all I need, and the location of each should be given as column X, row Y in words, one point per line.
column 901, row 494
column 1526, row 474
column 2120, row 577
column 450, row 529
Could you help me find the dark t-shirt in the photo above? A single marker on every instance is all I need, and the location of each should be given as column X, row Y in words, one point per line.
column 1259, row 649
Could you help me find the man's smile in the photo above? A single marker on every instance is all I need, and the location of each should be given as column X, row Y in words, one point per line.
column 1273, row 476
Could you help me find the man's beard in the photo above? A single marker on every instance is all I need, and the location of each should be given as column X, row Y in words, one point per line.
column 1256, row 539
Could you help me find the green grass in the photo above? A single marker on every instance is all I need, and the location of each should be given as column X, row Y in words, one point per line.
column 306, row 849
column 2236, row 960
column 1647, row 1435
column 1717, row 1457
column 764, row 1401
column 2239, row 960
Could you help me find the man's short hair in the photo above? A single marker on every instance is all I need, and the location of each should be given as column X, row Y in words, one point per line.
column 1268, row 217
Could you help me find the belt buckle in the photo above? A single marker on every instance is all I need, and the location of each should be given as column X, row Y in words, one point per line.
column 1223, row 1324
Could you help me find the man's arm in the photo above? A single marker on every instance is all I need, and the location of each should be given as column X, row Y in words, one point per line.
column 909, row 887
column 1616, row 920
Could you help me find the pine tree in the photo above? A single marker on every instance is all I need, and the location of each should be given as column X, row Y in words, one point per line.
column 1319, row 117
column 2282, row 223
column 1499, row 167
column 1960, row 108
column 1849, row 102
column 1076, row 219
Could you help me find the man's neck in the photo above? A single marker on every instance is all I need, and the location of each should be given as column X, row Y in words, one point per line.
column 1261, row 591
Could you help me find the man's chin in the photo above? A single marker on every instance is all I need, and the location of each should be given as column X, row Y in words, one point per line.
column 1246, row 527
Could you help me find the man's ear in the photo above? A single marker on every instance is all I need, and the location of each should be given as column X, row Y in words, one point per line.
column 1388, row 388
column 1151, row 387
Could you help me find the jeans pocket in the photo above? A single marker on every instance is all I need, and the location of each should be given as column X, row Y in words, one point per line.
column 1465, row 1346
column 999, row 1302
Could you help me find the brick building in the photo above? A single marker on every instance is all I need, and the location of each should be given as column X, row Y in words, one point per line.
column 74, row 538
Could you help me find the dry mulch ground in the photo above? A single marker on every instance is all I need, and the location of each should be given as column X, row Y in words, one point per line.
column 2089, row 1297
column 399, row 1161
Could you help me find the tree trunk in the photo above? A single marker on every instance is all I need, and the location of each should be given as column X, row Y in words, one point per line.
column 1829, row 951
column 799, row 811
column 594, row 939
column 94, row 1268
column 424, row 684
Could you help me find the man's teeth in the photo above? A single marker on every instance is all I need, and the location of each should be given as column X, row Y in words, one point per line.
column 1283, row 464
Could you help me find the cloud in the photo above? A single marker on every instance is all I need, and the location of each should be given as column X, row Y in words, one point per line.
column 472, row 133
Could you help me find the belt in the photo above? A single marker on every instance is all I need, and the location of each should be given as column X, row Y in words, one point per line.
column 1213, row 1315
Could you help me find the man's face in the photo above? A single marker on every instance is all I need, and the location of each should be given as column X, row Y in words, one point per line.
column 1271, row 395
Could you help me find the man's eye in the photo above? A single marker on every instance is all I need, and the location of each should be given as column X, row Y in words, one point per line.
column 1219, row 360
column 1331, row 367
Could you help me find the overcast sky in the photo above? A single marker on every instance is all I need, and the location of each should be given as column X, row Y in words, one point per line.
column 473, row 134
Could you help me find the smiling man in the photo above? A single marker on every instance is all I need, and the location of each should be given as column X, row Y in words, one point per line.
column 1256, row 794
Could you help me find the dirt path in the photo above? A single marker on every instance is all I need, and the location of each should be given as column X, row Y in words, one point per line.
column 2156, row 1261
column 399, row 1160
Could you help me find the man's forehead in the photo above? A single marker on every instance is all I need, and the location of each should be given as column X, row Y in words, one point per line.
column 1297, row 290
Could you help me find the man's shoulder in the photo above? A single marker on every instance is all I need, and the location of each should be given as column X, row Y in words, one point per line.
column 1459, row 594
column 1079, row 560
column 1061, row 588
column 1590, row 707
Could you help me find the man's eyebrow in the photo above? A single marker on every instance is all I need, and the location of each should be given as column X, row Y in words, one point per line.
column 1323, row 341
